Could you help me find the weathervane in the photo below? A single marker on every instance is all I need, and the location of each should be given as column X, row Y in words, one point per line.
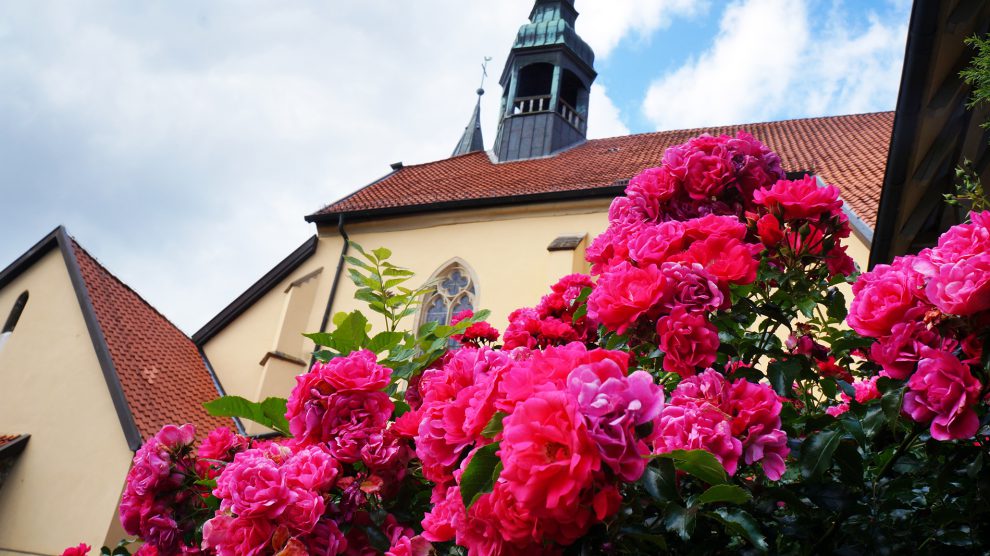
column 484, row 74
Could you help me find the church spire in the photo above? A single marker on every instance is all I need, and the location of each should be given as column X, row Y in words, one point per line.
column 545, row 85
column 472, row 141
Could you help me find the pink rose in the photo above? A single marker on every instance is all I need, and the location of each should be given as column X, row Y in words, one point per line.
column 801, row 198
column 253, row 486
column 548, row 455
column 81, row 550
column 962, row 287
column 944, row 391
column 350, row 418
column 650, row 188
column 728, row 259
column 899, row 352
column 237, row 536
column 882, row 298
column 698, row 428
column 357, row 371
column 688, row 342
column 690, row 286
column 221, row 444
column 614, row 405
column 963, row 241
column 624, row 294
column 653, row 244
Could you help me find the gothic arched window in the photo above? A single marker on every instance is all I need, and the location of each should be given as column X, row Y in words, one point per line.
column 452, row 290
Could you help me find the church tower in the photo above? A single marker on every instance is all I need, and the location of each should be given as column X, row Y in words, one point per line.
column 545, row 85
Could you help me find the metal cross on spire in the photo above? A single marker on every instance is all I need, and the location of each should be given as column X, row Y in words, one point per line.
column 484, row 74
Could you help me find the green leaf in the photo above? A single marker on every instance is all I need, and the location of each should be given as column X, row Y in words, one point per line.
column 385, row 341
column 352, row 334
column 382, row 253
column 891, row 401
column 782, row 374
column 494, row 426
column 698, row 463
column 321, row 338
column 836, row 306
column 479, row 477
column 270, row 412
column 680, row 520
column 744, row 525
column 211, row 483
column 377, row 539
column 661, row 482
column 401, row 408
column 807, row 306
column 724, row 493
column 816, row 455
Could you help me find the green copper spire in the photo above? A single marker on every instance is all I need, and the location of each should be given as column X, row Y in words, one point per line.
column 546, row 84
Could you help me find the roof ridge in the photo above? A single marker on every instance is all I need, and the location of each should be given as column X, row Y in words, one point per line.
column 101, row 266
column 742, row 125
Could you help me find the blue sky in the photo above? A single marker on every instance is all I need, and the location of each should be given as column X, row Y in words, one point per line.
column 182, row 142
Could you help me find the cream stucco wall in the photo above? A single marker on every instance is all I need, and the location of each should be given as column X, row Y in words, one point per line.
column 505, row 248
column 240, row 352
column 64, row 487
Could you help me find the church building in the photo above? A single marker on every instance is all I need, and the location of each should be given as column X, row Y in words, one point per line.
column 89, row 370
column 494, row 229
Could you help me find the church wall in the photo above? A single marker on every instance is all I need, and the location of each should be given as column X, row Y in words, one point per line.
column 64, row 488
column 264, row 345
column 505, row 248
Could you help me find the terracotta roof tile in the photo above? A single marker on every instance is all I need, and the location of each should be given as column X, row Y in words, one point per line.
column 847, row 151
column 164, row 378
column 8, row 438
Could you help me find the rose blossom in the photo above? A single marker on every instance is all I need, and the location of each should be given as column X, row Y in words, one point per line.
column 548, row 455
column 81, row 550
column 944, row 391
column 688, row 342
column 690, row 286
column 614, row 405
column 650, row 188
column 962, row 287
column 801, row 198
column 624, row 294
column 882, row 299
column 350, row 418
column 899, row 352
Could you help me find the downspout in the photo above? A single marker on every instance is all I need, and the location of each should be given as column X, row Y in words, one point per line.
column 336, row 280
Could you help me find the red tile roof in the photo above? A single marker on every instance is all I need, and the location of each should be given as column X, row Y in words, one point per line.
column 847, row 151
column 8, row 438
column 164, row 378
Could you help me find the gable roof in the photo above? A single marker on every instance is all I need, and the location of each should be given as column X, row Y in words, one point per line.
column 156, row 375
column 848, row 151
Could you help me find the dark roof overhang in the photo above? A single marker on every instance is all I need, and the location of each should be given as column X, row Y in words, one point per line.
column 933, row 131
column 253, row 293
column 485, row 202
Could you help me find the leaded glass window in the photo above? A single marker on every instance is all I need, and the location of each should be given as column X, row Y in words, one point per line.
column 452, row 291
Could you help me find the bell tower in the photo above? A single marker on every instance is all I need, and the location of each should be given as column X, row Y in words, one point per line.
column 545, row 85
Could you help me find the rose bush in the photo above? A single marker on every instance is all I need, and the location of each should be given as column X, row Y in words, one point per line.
column 697, row 393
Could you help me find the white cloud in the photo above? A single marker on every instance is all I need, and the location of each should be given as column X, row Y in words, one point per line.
column 770, row 61
column 604, row 23
column 603, row 117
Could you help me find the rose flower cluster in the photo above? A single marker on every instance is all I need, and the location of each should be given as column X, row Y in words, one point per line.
column 311, row 494
column 929, row 313
column 571, row 431
column 553, row 321
column 676, row 242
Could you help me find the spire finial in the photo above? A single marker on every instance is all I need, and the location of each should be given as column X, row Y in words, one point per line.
column 484, row 74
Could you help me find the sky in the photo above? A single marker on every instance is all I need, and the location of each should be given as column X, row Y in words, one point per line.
column 182, row 142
